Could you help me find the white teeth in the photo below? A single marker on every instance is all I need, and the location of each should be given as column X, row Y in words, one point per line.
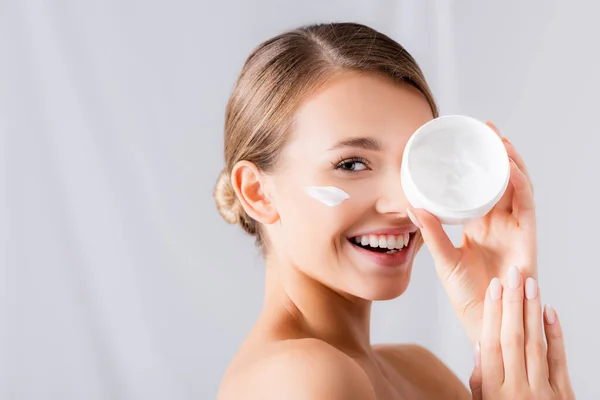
column 400, row 241
column 390, row 242
column 373, row 241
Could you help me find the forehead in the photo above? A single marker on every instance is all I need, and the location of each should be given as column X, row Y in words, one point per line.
column 359, row 104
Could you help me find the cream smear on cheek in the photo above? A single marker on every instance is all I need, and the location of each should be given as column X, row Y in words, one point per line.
column 328, row 195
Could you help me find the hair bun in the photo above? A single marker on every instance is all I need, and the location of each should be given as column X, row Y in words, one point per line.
column 227, row 202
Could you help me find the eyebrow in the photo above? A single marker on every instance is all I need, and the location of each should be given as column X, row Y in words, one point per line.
column 359, row 142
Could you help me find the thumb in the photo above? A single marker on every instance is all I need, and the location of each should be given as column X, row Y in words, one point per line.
column 445, row 255
column 475, row 382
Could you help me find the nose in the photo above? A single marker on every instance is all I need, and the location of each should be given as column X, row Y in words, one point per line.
column 391, row 198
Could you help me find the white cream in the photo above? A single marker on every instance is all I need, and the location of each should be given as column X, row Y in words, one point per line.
column 328, row 195
column 453, row 170
column 456, row 167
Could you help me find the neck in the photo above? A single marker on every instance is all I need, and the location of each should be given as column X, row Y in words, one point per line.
column 314, row 310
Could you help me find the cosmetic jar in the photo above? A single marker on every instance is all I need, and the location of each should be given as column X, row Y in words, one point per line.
column 456, row 167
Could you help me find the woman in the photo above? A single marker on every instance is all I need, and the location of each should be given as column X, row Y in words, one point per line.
column 334, row 105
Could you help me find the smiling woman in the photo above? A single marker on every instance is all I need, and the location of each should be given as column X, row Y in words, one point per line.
column 280, row 74
column 333, row 106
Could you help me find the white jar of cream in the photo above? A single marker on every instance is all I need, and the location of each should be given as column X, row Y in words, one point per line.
column 456, row 167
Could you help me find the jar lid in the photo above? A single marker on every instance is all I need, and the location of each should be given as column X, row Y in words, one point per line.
column 456, row 167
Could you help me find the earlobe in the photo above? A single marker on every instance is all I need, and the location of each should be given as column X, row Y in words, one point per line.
column 250, row 187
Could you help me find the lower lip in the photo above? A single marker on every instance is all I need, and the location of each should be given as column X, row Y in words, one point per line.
column 396, row 260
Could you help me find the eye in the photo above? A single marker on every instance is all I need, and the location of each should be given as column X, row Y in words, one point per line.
column 352, row 164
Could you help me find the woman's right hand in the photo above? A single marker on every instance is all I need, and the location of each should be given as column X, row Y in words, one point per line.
column 512, row 361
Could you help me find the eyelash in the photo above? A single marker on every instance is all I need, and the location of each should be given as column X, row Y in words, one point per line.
column 354, row 159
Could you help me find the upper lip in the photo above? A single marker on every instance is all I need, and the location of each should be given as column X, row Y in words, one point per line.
column 398, row 230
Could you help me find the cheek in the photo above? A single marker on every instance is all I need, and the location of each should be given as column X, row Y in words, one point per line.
column 310, row 230
column 304, row 219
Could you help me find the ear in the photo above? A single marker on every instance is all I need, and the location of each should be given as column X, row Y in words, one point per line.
column 251, row 189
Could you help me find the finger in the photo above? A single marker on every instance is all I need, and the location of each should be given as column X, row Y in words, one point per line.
column 523, row 203
column 492, row 365
column 505, row 202
column 510, row 149
column 442, row 249
column 512, row 334
column 494, row 127
column 475, row 381
column 514, row 155
column 535, row 348
column 557, row 358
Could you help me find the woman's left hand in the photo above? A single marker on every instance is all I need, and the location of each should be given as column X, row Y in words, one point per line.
column 513, row 362
column 491, row 244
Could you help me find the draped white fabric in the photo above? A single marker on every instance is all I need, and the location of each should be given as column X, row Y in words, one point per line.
column 118, row 278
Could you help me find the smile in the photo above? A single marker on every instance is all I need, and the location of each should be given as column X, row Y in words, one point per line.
column 387, row 244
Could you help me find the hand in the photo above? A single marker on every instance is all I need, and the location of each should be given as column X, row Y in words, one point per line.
column 490, row 245
column 513, row 361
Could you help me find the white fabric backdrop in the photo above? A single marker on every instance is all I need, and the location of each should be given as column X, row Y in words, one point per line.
column 118, row 278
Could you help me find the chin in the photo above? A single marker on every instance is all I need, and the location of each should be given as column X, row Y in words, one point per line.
column 380, row 279
column 380, row 288
column 389, row 290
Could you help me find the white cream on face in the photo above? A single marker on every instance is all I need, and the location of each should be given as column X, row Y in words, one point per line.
column 328, row 195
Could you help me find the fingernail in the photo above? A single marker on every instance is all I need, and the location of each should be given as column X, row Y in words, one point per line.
column 493, row 126
column 495, row 289
column 504, row 139
column 413, row 218
column 531, row 288
column 550, row 314
column 514, row 277
column 477, row 355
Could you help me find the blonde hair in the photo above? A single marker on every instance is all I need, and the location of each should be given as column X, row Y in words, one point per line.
column 276, row 77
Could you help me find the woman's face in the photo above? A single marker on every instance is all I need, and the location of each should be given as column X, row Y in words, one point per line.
column 351, row 135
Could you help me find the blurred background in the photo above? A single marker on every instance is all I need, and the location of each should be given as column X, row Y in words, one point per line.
column 118, row 278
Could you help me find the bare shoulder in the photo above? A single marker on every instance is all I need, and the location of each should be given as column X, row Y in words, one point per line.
column 424, row 370
column 299, row 369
